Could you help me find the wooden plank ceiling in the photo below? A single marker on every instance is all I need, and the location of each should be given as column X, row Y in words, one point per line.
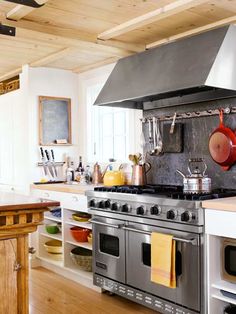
column 79, row 35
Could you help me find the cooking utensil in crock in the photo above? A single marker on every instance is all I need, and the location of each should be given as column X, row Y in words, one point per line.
column 222, row 145
column 196, row 182
column 139, row 174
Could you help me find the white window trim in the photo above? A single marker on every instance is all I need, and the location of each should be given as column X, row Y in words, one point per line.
column 86, row 80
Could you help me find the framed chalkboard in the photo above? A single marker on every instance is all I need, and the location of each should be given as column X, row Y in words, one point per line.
column 54, row 120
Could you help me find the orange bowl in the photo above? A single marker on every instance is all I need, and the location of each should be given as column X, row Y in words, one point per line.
column 80, row 234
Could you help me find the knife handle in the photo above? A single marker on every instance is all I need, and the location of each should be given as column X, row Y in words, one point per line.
column 47, row 154
column 42, row 153
column 52, row 152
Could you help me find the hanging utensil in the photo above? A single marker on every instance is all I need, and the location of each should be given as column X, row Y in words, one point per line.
column 53, row 163
column 152, row 152
column 43, row 161
column 49, row 164
column 159, row 143
column 150, row 136
column 172, row 128
column 222, row 145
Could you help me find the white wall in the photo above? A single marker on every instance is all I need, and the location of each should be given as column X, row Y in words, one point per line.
column 56, row 83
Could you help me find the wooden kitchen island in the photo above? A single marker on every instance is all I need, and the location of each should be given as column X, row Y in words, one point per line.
column 19, row 216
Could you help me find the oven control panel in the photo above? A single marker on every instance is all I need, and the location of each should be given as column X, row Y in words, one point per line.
column 140, row 297
column 153, row 211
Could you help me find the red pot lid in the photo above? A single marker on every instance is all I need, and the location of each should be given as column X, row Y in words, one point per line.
column 220, row 147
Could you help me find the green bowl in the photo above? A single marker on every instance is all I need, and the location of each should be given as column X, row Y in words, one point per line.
column 52, row 228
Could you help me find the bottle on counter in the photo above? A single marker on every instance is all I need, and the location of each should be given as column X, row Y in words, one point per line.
column 70, row 174
column 88, row 175
column 80, row 172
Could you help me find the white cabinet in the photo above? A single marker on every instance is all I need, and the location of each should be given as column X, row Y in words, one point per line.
column 218, row 224
column 13, row 142
column 70, row 203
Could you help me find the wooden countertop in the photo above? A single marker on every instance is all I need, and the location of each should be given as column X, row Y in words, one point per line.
column 11, row 201
column 227, row 204
column 67, row 188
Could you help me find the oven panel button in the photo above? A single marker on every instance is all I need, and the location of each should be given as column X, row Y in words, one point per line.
column 155, row 210
column 187, row 216
column 102, row 204
column 115, row 206
column 126, row 208
column 140, row 210
column 171, row 214
column 92, row 203
column 107, row 203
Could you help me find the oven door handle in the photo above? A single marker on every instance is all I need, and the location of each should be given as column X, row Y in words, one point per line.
column 191, row 241
column 93, row 221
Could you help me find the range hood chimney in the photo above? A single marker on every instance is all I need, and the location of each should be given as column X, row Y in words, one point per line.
column 195, row 69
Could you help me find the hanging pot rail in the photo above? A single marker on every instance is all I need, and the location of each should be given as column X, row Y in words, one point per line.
column 191, row 114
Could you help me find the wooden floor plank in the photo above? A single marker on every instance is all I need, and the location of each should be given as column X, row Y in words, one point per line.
column 53, row 294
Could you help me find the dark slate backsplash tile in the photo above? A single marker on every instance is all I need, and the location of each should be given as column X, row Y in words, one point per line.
column 196, row 136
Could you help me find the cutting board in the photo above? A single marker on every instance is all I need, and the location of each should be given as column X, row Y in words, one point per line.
column 173, row 143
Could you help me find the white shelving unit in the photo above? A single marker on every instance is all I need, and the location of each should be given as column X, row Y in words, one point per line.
column 216, row 230
column 70, row 204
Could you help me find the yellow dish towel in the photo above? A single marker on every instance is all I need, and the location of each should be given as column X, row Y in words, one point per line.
column 163, row 259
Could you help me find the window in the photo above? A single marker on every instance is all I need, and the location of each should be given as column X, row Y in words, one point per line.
column 110, row 130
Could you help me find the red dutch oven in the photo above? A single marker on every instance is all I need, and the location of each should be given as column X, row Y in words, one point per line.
column 222, row 145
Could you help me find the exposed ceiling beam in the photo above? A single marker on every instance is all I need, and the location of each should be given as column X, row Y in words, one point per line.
column 52, row 57
column 151, row 17
column 10, row 74
column 192, row 32
column 20, row 11
column 95, row 65
column 64, row 37
column 74, row 34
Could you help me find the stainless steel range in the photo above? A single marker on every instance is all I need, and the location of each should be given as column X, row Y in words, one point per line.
column 123, row 219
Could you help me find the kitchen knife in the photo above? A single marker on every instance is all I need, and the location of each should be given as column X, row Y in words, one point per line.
column 49, row 164
column 53, row 162
column 43, row 161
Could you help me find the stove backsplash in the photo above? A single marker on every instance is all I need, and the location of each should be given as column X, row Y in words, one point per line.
column 196, row 136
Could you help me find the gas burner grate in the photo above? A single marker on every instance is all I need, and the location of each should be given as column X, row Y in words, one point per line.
column 169, row 191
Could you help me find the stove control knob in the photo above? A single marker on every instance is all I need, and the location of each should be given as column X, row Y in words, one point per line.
column 126, row 208
column 187, row 216
column 171, row 214
column 115, row 206
column 92, row 203
column 155, row 210
column 107, row 203
column 140, row 210
column 102, row 204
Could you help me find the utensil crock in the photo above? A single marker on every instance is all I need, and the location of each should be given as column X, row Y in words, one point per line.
column 139, row 174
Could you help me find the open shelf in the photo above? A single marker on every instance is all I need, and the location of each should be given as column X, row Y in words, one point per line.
column 217, row 295
column 85, row 245
column 50, row 260
column 49, row 216
column 86, row 225
column 56, row 236
column 224, row 285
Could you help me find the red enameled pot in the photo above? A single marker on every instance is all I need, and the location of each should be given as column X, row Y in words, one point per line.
column 222, row 145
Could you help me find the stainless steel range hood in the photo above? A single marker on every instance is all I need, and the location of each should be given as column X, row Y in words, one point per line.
column 199, row 68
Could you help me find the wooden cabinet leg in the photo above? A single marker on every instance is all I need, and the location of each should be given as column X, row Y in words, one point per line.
column 22, row 275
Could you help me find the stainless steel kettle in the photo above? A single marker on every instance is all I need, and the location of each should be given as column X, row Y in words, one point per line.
column 196, row 182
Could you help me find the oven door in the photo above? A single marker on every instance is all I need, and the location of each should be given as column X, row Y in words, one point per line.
column 109, row 248
column 188, row 261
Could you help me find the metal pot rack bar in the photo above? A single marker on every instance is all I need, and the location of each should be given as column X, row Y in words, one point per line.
column 191, row 114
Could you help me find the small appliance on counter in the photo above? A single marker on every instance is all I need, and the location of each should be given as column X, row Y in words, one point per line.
column 228, row 260
column 231, row 309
